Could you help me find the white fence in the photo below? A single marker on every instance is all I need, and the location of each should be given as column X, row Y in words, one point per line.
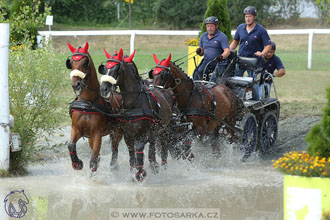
column 132, row 33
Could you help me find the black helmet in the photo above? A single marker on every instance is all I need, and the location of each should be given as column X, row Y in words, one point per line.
column 211, row 20
column 273, row 45
column 250, row 10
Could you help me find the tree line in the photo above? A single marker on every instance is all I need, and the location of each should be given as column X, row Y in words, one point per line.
column 172, row 14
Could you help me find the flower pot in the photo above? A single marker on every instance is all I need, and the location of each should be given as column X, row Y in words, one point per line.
column 191, row 62
column 306, row 197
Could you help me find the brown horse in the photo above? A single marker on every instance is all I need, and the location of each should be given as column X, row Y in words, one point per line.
column 207, row 108
column 89, row 110
column 146, row 111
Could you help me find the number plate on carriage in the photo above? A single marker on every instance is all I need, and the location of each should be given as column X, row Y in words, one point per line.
column 248, row 95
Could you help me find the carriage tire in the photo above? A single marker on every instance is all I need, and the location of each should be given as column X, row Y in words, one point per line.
column 268, row 132
column 249, row 138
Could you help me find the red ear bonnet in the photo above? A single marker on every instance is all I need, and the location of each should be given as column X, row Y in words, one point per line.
column 118, row 57
column 81, row 50
column 130, row 58
column 162, row 63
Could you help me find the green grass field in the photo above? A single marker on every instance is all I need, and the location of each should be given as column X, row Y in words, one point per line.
column 301, row 91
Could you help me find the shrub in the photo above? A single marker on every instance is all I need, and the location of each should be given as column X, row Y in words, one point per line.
column 35, row 82
column 319, row 136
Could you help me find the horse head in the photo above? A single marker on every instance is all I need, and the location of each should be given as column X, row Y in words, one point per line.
column 79, row 64
column 161, row 73
column 112, row 71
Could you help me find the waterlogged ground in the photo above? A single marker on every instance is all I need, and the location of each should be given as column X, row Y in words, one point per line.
column 209, row 188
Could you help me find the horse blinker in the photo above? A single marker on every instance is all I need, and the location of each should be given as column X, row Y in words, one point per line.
column 102, row 69
column 68, row 64
column 151, row 76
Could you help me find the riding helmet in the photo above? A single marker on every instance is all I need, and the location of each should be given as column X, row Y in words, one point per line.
column 273, row 45
column 250, row 10
column 211, row 20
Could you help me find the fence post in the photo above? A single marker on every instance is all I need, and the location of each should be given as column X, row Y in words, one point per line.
column 132, row 42
column 4, row 97
column 310, row 47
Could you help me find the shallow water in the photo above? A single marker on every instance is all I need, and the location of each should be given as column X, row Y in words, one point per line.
column 226, row 188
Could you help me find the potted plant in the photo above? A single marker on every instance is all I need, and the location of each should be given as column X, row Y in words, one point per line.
column 307, row 174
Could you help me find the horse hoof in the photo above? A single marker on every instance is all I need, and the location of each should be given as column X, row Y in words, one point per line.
column 114, row 168
column 216, row 154
column 245, row 157
column 190, row 157
column 140, row 175
column 78, row 166
column 154, row 167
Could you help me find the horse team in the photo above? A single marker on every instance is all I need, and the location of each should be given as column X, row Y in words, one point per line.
column 142, row 112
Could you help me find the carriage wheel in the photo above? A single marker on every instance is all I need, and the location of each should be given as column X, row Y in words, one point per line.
column 249, row 134
column 268, row 132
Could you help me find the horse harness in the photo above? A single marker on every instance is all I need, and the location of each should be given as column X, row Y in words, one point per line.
column 135, row 113
column 197, row 112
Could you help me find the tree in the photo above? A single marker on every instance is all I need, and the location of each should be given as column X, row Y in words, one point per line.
column 218, row 8
column 180, row 14
column 324, row 6
column 25, row 18
column 319, row 136
column 83, row 11
column 264, row 15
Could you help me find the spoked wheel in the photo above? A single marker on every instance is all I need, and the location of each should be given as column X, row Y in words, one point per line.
column 249, row 135
column 268, row 132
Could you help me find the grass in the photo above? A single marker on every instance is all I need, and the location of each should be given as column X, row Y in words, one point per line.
column 301, row 91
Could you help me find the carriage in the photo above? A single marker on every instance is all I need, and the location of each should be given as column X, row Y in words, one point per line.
column 257, row 120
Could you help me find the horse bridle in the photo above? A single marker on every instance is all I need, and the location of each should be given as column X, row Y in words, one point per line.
column 69, row 66
column 166, row 76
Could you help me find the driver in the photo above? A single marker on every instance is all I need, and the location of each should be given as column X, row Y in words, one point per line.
column 214, row 45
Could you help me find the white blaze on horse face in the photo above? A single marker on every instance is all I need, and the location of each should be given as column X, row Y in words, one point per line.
column 110, row 79
column 77, row 73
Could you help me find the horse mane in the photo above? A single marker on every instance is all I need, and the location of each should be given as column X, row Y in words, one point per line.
column 135, row 70
column 178, row 69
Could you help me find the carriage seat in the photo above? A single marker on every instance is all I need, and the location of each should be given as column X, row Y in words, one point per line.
column 247, row 63
column 241, row 81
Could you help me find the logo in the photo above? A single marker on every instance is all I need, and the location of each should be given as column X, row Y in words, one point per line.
column 15, row 204
column 215, row 42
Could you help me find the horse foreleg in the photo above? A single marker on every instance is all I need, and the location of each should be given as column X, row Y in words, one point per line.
column 131, row 151
column 141, row 173
column 96, row 146
column 164, row 148
column 187, row 145
column 152, row 156
column 77, row 164
column 214, row 142
column 115, row 139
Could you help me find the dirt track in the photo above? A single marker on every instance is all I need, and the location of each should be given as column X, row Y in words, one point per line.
column 292, row 133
